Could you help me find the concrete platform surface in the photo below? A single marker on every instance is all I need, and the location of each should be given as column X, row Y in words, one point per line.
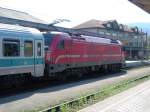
column 137, row 63
column 135, row 99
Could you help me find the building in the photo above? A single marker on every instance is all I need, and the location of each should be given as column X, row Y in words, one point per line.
column 133, row 39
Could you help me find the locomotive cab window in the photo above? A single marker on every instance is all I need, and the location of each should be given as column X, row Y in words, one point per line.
column 60, row 44
column 123, row 48
column 11, row 48
column 28, row 49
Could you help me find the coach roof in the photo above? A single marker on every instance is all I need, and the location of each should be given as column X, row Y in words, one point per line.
column 19, row 30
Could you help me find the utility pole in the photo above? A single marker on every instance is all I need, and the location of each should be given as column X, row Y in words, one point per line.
column 147, row 46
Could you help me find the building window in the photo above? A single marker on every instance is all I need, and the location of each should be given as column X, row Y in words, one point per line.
column 60, row 44
column 108, row 25
column 39, row 53
column 114, row 34
column 108, row 33
column 11, row 48
column 101, row 33
column 28, row 49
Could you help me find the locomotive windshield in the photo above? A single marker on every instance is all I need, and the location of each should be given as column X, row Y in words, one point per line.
column 48, row 39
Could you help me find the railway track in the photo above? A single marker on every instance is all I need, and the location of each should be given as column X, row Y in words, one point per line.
column 35, row 84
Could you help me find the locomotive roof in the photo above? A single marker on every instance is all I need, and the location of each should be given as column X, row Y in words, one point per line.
column 19, row 31
column 101, row 40
column 58, row 33
column 90, row 38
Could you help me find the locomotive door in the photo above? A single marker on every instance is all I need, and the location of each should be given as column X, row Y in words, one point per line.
column 38, row 58
column 68, row 52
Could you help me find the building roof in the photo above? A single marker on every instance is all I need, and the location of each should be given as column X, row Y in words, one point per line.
column 9, row 13
column 103, row 24
column 144, row 4
column 91, row 24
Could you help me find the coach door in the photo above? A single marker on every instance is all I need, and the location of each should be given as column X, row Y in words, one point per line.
column 39, row 58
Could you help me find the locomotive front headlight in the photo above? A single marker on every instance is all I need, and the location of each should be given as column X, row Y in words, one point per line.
column 48, row 56
column 49, row 59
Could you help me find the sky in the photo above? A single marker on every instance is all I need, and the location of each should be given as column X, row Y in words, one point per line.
column 78, row 11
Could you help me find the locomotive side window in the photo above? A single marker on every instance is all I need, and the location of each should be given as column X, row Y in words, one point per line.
column 123, row 48
column 28, row 49
column 39, row 53
column 11, row 48
column 60, row 44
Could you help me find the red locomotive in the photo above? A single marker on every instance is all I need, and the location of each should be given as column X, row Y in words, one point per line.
column 72, row 52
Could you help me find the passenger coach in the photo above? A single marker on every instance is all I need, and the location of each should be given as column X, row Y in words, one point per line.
column 21, row 50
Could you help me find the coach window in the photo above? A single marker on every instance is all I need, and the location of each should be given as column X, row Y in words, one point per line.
column 60, row 44
column 28, row 49
column 11, row 48
column 39, row 49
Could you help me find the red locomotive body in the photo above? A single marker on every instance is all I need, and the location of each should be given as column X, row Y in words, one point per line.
column 64, row 51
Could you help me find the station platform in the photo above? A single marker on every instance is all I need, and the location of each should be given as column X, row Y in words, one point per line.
column 137, row 63
column 135, row 99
